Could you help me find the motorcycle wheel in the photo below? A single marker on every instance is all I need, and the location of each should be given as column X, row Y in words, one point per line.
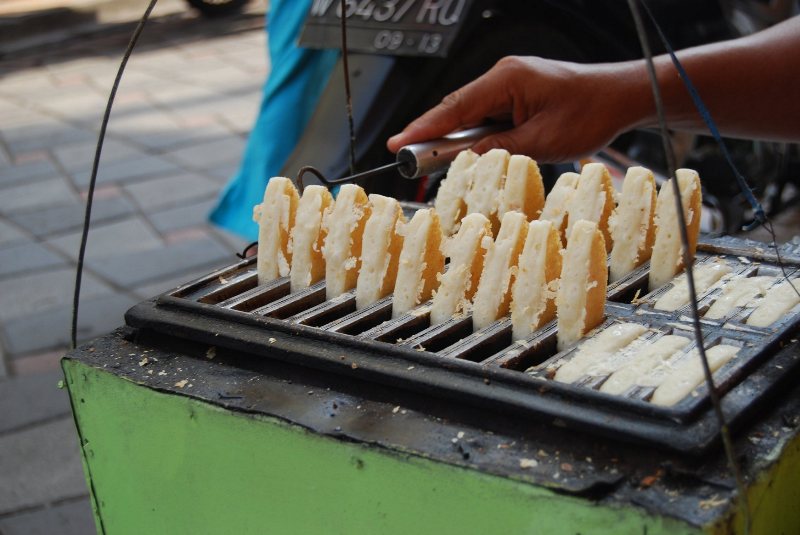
column 217, row 8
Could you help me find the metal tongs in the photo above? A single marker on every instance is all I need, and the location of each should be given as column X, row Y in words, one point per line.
column 418, row 159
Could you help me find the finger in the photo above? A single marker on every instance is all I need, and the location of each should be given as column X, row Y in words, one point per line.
column 435, row 123
column 471, row 104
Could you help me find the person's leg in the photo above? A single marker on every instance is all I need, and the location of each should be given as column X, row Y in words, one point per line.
column 295, row 82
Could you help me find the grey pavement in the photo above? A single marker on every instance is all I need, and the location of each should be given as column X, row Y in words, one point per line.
column 177, row 131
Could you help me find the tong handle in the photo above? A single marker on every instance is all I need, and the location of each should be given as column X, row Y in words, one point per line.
column 420, row 159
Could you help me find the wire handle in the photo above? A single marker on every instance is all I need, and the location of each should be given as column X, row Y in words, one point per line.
column 328, row 183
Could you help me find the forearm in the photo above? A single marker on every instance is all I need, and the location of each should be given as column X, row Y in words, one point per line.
column 563, row 111
column 750, row 85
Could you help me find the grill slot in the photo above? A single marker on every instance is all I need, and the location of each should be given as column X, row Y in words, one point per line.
column 295, row 303
column 593, row 382
column 438, row 337
column 626, row 289
column 258, row 297
column 481, row 344
column 327, row 311
column 216, row 282
column 362, row 320
column 522, row 354
column 641, row 393
column 405, row 326
column 239, row 283
column 770, row 271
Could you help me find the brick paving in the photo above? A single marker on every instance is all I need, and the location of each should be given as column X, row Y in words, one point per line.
column 177, row 131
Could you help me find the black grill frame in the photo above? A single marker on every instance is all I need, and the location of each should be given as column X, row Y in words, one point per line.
column 193, row 312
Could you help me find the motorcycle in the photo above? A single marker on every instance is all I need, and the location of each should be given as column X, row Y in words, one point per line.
column 217, row 8
column 405, row 56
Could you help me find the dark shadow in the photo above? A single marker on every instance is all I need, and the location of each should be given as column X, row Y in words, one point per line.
column 24, row 25
column 58, row 35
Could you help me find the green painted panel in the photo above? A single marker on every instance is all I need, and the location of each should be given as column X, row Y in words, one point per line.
column 162, row 463
column 774, row 496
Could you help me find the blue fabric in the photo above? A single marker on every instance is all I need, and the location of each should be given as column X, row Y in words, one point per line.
column 295, row 82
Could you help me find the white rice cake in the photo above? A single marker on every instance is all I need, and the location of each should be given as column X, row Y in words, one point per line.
column 523, row 190
column 688, row 374
column 667, row 256
column 738, row 292
column 557, row 201
column 593, row 200
column 450, row 201
column 487, row 180
column 494, row 290
column 466, row 250
column 344, row 226
column 780, row 299
column 421, row 262
column 379, row 259
column 275, row 217
column 580, row 302
column 705, row 276
column 643, row 362
column 632, row 226
column 597, row 348
column 533, row 295
column 308, row 236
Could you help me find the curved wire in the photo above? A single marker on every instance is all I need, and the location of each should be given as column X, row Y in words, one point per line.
column 299, row 182
column 314, row 171
column 688, row 260
column 348, row 96
column 760, row 215
column 93, row 180
column 243, row 255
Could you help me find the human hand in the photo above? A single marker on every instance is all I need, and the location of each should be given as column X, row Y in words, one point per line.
column 561, row 111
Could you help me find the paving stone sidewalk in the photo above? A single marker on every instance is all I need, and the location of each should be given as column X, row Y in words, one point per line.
column 186, row 103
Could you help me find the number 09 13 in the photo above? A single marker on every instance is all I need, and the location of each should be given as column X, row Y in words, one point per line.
column 388, row 40
column 428, row 43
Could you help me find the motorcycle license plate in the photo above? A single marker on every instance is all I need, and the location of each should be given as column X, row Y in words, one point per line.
column 392, row 27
